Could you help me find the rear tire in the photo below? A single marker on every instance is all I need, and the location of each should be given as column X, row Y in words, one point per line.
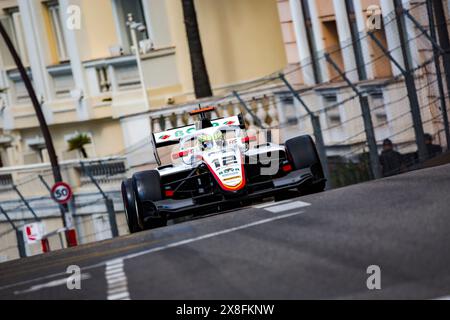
column 303, row 154
column 129, row 204
column 147, row 186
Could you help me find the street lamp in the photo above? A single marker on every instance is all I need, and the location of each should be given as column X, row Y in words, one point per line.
column 134, row 28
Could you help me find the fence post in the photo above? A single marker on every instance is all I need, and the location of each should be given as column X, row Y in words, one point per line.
column 315, row 121
column 112, row 217
column 442, row 34
column 437, row 51
column 410, row 81
column 108, row 202
column 412, row 94
column 243, row 104
column 21, row 244
column 367, row 117
column 424, row 31
column 26, row 203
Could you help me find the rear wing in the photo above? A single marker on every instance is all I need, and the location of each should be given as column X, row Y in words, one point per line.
column 173, row 136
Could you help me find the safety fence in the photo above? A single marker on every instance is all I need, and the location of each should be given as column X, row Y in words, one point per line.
column 96, row 208
column 349, row 119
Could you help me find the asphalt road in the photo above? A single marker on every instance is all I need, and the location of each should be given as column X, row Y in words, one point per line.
column 313, row 247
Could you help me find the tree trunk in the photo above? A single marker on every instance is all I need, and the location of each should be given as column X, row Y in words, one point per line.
column 83, row 152
column 200, row 76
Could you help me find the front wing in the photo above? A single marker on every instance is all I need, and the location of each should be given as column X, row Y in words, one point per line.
column 295, row 179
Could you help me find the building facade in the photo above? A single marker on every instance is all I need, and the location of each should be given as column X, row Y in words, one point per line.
column 312, row 28
column 79, row 56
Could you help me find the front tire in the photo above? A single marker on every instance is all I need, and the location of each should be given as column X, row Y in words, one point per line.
column 303, row 154
column 129, row 204
column 147, row 186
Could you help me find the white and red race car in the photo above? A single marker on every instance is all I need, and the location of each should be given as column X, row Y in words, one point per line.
column 215, row 163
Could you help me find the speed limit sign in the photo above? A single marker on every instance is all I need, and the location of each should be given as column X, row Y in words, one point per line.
column 61, row 192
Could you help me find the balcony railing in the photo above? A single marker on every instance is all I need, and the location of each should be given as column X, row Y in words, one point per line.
column 108, row 172
column 102, row 172
column 6, row 181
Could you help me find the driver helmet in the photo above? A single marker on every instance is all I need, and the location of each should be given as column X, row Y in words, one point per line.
column 206, row 141
column 219, row 137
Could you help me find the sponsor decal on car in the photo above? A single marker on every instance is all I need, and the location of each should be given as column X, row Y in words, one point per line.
column 227, row 168
column 177, row 133
column 164, row 137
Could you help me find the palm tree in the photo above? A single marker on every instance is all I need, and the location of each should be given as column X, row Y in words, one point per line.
column 78, row 142
column 202, row 85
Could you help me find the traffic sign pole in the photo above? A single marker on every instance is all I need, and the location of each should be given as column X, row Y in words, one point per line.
column 62, row 193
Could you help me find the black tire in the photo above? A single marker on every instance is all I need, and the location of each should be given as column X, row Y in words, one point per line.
column 129, row 204
column 147, row 186
column 303, row 154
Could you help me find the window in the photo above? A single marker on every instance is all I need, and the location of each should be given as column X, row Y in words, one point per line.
column 122, row 8
column 332, row 45
column 379, row 114
column 18, row 92
column 57, row 30
column 288, row 109
column 12, row 21
column 377, row 107
column 381, row 63
column 332, row 111
column 36, row 151
column 127, row 78
column 63, row 85
column 21, row 95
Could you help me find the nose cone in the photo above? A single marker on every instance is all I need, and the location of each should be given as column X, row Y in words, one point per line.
column 228, row 170
column 233, row 181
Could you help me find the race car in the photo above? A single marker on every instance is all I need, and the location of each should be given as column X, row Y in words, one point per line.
column 215, row 163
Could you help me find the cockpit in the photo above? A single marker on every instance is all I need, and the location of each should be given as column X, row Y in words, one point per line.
column 214, row 139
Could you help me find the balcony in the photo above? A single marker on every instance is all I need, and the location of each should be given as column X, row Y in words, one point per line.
column 113, row 84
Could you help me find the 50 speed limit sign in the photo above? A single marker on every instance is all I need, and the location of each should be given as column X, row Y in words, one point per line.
column 61, row 192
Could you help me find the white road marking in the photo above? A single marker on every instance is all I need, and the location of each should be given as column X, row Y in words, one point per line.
column 443, row 298
column 157, row 249
column 116, row 280
column 210, row 235
column 287, row 206
column 265, row 205
column 120, row 296
column 114, row 276
column 51, row 284
column 113, row 271
column 119, row 289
